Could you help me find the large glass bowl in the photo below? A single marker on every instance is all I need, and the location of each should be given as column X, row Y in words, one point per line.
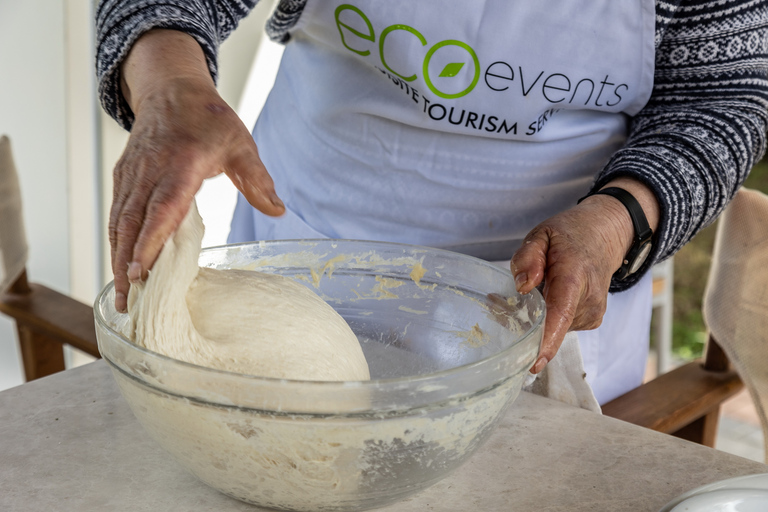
column 448, row 341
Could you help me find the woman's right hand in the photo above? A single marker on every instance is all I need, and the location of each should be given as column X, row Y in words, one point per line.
column 183, row 133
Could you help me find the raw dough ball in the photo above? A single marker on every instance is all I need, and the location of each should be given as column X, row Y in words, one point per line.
column 238, row 320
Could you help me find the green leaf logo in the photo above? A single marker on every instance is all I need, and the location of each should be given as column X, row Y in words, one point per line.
column 451, row 69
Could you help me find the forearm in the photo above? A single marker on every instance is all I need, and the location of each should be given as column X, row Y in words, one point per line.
column 704, row 127
column 693, row 177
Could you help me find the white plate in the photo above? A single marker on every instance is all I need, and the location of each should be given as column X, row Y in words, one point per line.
column 729, row 500
column 741, row 494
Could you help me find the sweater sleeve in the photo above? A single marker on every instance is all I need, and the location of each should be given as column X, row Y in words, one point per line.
column 119, row 23
column 704, row 127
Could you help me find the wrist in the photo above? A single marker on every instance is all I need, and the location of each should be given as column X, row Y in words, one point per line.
column 615, row 226
column 633, row 228
column 160, row 61
column 644, row 195
column 177, row 95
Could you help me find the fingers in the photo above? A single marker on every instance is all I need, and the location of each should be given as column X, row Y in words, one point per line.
column 183, row 134
column 119, row 256
column 121, row 285
column 562, row 294
column 166, row 207
column 126, row 222
column 147, row 208
column 152, row 196
column 251, row 178
column 571, row 254
column 530, row 261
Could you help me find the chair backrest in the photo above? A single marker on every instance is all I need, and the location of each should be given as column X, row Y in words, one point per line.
column 45, row 319
column 736, row 298
column 13, row 242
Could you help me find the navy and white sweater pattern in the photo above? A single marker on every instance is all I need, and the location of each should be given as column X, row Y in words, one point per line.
column 693, row 144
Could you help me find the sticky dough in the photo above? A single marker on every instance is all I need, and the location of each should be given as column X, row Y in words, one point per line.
column 238, row 320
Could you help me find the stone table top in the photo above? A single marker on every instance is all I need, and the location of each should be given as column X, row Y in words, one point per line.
column 69, row 442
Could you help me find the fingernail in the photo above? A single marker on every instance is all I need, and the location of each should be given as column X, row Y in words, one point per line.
column 520, row 280
column 276, row 200
column 134, row 272
column 121, row 302
column 540, row 364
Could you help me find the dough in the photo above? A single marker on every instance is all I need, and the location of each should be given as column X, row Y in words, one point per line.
column 237, row 320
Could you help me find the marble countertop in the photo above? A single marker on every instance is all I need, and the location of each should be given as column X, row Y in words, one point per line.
column 69, row 442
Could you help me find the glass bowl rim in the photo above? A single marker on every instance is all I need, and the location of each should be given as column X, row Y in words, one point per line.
column 287, row 383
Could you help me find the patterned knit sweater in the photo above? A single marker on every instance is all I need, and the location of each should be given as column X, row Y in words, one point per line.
column 693, row 144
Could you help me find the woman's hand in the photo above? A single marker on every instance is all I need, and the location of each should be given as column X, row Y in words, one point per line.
column 575, row 253
column 183, row 133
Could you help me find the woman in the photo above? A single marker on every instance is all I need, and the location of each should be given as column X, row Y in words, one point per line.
column 471, row 126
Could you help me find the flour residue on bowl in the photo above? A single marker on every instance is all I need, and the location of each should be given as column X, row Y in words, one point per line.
column 412, row 311
column 506, row 311
column 509, row 312
column 382, row 289
column 320, row 265
column 475, row 337
column 329, row 266
column 417, row 272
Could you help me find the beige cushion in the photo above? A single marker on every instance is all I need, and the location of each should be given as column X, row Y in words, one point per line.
column 736, row 299
column 13, row 242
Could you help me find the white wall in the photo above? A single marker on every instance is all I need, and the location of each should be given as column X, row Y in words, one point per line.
column 84, row 171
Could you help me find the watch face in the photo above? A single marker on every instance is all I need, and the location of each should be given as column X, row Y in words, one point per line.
column 642, row 254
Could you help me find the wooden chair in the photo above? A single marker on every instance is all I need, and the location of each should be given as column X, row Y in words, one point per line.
column 46, row 320
column 684, row 402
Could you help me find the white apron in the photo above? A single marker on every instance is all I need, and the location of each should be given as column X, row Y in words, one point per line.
column 457, row 124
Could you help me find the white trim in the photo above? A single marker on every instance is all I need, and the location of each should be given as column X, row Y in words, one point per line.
column 81, row 145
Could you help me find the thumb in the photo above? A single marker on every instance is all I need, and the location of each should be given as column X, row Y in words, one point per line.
column 251, row 178
column 530, row 261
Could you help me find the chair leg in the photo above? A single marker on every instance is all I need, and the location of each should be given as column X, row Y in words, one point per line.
column 703, row 430
column 41, row 355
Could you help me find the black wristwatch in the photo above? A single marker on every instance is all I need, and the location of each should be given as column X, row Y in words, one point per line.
column 641, row 245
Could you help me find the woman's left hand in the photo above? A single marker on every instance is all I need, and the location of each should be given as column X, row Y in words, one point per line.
column 575, row 254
